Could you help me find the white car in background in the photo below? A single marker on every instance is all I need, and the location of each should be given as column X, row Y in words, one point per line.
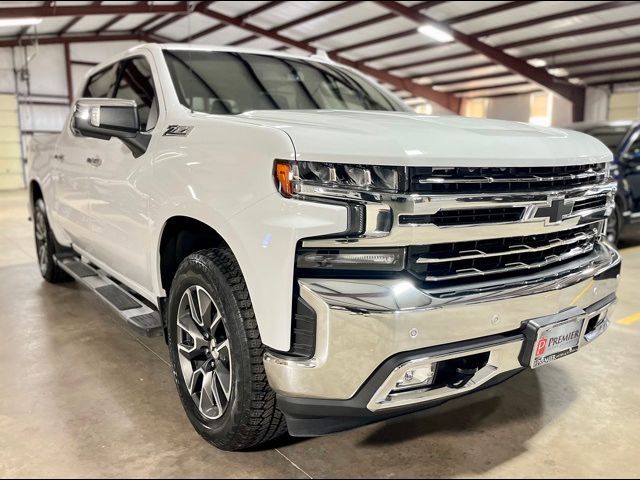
column 317, row 255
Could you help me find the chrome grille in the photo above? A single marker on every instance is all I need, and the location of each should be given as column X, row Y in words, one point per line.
column 457, row 180
column 468, row 216
column 505, row 256
column 590, row 203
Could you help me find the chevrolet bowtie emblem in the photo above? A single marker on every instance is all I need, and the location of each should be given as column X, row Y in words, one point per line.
column 556, row 210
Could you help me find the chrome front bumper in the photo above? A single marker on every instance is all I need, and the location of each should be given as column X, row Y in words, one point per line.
column 363, row 323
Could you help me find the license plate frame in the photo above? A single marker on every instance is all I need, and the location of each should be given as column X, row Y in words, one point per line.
column 556, row 340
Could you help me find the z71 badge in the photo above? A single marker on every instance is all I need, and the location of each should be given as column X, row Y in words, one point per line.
column 177, row 131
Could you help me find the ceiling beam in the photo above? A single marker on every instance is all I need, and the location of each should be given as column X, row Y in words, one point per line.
column 373, row 41
column 244, row 16
column 607, row 71
column 312, row 16
column 450, row 21
column 444, row 99
column 175, row 18
column 366, row 23
column 585, row 47
column 592, row 60
column 300, row 20
column 549, row 53
column 113, row 21
column 573, row 93
column 56, row 39
column 487, row 11
column 140, row 27
column 471, row 79
column 599, row 7
column 634, row 78
column 499, row 95
column 73, row 21
column 447, row 71
column 576, row 63
column 489, row 87
column 513, row 26
column 204, row 32
column 165, row 23
column 575, row 32
column 83, row 10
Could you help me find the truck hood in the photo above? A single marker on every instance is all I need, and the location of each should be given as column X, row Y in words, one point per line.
column 397, row 138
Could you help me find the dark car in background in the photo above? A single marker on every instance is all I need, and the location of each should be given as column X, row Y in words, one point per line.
column 623, row 138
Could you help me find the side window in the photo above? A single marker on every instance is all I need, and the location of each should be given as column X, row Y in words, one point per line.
column 136, row 83
column 101, row 84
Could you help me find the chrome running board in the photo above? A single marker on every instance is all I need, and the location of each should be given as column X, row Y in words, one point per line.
column 138, row 315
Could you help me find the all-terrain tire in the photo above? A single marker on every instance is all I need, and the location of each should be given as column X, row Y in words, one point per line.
column 250, row 417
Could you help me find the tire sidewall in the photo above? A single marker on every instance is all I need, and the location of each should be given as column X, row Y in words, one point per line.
column 199, row 270
column 40, row 209
column 618, row 227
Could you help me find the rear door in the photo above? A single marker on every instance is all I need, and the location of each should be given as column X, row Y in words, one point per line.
column 117, row 184
column 70, row 168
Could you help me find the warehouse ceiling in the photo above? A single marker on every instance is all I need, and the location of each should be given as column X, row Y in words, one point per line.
column 490, row 48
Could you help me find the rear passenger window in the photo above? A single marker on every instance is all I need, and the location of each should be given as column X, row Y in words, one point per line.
column 101, row 84
column 136, row 83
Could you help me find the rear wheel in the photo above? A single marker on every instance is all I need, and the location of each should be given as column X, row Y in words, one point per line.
column 216, row 354
column 46, row 246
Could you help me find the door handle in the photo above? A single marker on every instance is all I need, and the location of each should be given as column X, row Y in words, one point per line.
column 94, row 161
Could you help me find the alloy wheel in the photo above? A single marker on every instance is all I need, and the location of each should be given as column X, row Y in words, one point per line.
column 204, row 352
column 42, row 242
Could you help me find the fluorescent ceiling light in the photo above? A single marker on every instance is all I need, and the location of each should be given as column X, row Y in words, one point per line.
column 435, row 33
column 558, row 72
column 537, row 62
column 19, row 22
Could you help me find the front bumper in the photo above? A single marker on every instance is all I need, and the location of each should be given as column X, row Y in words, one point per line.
column 369, row 331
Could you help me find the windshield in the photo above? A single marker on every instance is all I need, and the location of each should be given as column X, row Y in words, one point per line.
column 233, row 82
column 610, row 135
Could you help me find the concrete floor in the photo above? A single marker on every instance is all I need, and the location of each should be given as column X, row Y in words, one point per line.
column 81, row 396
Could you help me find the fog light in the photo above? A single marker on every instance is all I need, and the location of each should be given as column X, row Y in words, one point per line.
column 417, row 377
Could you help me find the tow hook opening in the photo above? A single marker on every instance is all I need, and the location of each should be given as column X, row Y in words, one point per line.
column 594, row 322
column 457, row 372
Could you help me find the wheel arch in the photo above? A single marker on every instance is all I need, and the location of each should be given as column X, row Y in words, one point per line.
column 180, row 237
column 35, row 193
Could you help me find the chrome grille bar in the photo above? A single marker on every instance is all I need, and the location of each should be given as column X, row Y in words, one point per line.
column 511, row 267
column 513, row 250
column 531, row 179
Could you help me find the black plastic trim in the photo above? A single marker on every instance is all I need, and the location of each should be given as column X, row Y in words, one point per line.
column 310, row 417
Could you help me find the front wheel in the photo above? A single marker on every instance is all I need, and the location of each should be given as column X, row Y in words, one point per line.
column 614, row 226
column 216, row 354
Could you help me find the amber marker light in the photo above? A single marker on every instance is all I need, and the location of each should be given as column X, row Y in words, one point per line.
column 284, row 178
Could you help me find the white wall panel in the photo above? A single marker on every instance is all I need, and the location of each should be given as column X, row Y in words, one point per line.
column 46, row 68
column 43, row 118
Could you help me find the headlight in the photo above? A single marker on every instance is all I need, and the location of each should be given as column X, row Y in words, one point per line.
column 318, row 178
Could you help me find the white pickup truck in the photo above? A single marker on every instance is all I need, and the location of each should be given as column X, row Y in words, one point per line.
column 317, row 255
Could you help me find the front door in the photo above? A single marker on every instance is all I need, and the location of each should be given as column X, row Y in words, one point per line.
column 118, row 182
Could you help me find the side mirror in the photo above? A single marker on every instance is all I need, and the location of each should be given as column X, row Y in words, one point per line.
column 104, row 118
